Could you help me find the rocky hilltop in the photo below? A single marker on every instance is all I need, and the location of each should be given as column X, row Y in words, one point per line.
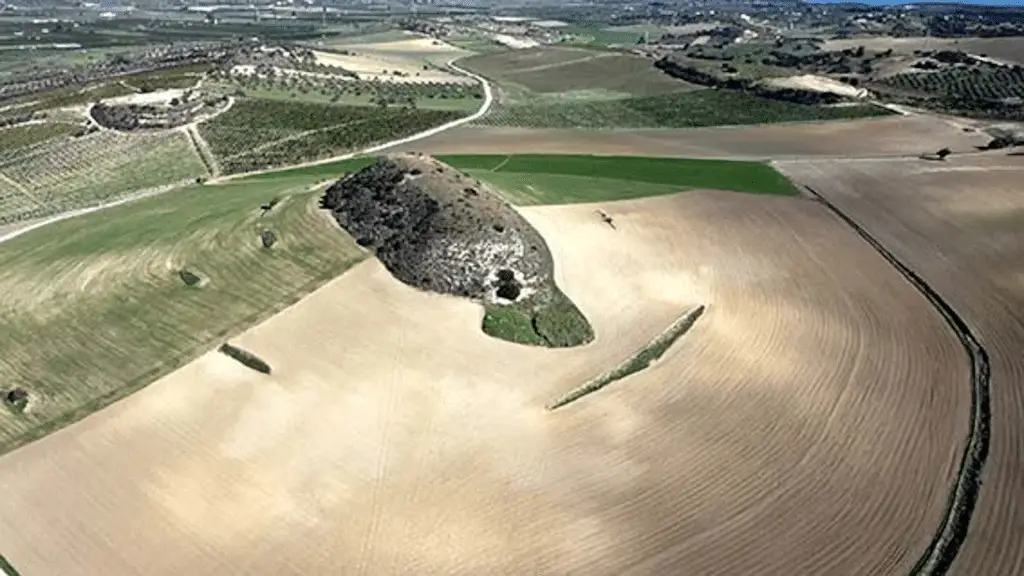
column 439, row 230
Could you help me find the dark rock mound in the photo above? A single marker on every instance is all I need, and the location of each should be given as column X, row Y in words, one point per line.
column 439, row 230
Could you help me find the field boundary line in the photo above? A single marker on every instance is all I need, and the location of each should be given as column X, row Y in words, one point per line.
column 202, row 149
column 951, row 534
column 502, row 163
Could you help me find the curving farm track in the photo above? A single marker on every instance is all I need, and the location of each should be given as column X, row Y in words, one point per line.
column 810, row 423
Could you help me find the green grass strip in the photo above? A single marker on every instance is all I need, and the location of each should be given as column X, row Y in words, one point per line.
column 732, row 175
column 6, row 568
column 245, row 358
column 639, row 361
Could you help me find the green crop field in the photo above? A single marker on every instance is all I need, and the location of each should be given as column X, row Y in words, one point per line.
column 256, row 134
column 94, row 307
column 705, row 107
column 564, row 179
column 93, row 169
column 528, row 179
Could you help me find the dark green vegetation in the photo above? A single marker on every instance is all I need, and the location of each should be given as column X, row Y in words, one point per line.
column 639, row 361
column 695, row 108
column 245, row 358
column 527, row 179
column 189, row 278
column 545, row 319
column 6, row 567
column 94, row 308
column 978, row 89
column 256, row 134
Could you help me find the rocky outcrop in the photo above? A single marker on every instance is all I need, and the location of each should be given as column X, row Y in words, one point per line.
column 437, row 229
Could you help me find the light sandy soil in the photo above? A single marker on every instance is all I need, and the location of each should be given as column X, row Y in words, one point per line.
column 516, row 42
column 1009, row 49
column 808, row 424
column 155, row 97
column 960, row 224
column 891, row 136
column 819, row 84
column 411, row 46
column 379, row 61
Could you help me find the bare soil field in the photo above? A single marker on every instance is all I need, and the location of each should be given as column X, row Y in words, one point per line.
column 1010, row 49
column 550, row 70
column 374, row 64
column 809, row 423
column 960, row 224
column 891, row 136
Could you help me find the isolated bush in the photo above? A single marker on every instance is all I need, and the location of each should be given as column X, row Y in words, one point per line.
column 269, row 238
column 188, row 277
column 244, row 357
column 17, row 399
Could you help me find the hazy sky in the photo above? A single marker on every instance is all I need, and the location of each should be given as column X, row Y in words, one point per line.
column 885, row 2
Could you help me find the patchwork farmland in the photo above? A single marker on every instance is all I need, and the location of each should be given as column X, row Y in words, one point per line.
column 620, row 325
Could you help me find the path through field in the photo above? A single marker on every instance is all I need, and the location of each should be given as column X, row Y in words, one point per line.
column 809, row 423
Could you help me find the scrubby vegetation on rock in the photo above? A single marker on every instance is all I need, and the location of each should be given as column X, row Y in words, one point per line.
column 176, row 112
column 440, row 230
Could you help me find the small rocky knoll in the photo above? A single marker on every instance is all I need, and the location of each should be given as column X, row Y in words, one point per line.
column 437, row 229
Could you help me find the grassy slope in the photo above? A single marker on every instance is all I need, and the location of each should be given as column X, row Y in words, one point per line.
column 578, row 178
column 76, row 293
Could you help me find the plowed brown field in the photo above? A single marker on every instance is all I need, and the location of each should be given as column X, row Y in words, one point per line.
column 809, row 423
column 891, row 136
column 960, row 225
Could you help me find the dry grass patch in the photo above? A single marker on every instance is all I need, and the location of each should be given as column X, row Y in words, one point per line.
column 94, row 307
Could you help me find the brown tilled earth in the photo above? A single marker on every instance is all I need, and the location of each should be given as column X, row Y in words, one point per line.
column 810, row 423
column 960, row 224
column 891, row 136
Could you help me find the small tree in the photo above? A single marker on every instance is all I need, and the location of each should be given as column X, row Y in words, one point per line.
column 943, row 153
